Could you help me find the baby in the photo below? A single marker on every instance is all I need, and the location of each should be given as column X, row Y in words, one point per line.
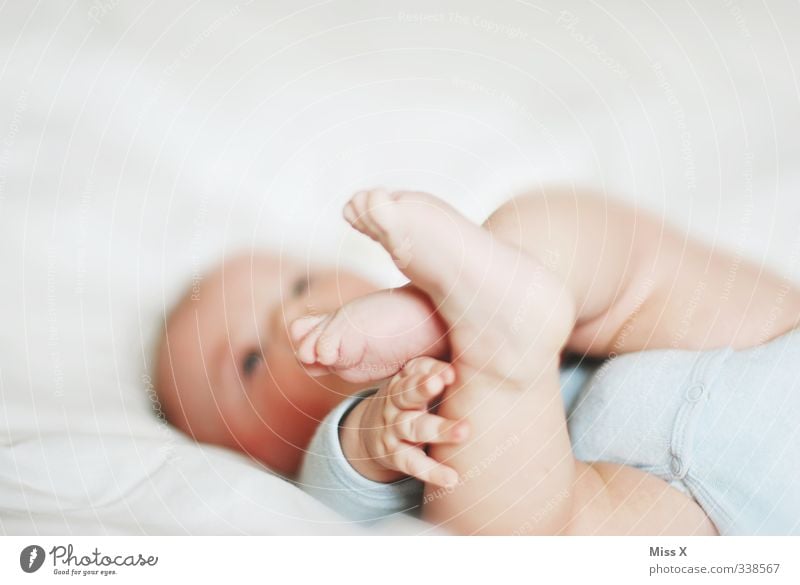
column 226, row 371
column 546, row 274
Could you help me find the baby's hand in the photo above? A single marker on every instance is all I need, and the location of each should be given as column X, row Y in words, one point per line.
column 384, row 437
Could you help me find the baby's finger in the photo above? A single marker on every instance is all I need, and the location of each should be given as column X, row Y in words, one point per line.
column 423, row 427
column 433, row 368
column 429, row 365
column 415, row 392
column 414, row 462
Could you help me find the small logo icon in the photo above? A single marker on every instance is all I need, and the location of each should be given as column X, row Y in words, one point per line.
column 31, row 558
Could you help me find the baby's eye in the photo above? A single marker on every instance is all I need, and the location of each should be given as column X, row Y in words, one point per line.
column 300, row 286
column 250, row 363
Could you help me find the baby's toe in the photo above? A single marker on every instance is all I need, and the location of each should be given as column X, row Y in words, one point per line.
column 327, row 349
column 306, row 350
column 306, row 353
column 356, row 212
column 369, row 212
column 301, row 327
column 317, row 371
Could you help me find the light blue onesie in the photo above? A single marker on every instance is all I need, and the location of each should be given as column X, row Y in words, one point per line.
column 722, row 425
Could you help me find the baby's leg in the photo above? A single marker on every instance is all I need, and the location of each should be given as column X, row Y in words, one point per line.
column 509, row 318
column 371, row 337
column 639, row 283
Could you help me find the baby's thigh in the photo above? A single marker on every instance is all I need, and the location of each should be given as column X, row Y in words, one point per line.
column 614, row 499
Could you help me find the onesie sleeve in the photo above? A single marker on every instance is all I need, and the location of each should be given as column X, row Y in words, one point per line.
column 328, row 476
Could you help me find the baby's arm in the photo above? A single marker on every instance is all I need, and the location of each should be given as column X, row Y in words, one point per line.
column 639, row 283
column 326, row 475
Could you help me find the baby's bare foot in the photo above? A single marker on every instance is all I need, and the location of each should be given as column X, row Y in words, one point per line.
column 372, row 337
column 507, row 313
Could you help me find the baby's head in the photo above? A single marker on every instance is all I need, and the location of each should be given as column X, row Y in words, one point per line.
column 225, row 370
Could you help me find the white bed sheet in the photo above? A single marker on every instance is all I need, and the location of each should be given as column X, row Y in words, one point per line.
column 141, row 142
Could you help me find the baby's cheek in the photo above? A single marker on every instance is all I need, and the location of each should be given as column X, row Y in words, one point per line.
column 289, row 389
column 284, row 410
column 274, row 432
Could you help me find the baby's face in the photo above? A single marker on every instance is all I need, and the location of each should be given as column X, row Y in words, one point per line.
column 226, row 371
